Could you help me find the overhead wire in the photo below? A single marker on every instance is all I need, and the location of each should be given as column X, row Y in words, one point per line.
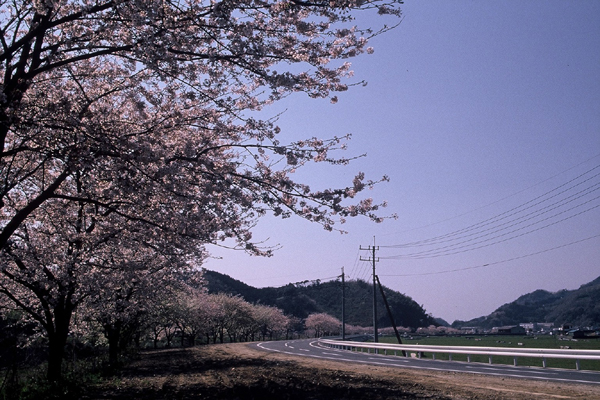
column 501, row 216
column 353, row 271
column 525, row 217
column 485, row 233
column 466, row 245
column 496, row 262
column 506, row 197
column 364, row 269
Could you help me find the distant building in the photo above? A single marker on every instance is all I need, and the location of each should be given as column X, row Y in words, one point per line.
column 545, row 326
column 509, row 330
column 538, row 326
column 470, row 330
column 565, row 328
column 530, row 326
column 583, row 333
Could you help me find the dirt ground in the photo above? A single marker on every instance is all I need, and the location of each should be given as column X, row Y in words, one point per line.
column 239, row 371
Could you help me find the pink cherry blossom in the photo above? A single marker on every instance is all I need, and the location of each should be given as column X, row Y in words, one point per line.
column 128, row 144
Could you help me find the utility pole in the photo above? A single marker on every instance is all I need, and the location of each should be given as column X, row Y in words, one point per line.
column 374, row 260
column 343, row 305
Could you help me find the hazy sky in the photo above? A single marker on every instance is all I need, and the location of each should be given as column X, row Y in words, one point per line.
column 486, row 117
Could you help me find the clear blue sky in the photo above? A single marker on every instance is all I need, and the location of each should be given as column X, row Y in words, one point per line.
column 473, row 109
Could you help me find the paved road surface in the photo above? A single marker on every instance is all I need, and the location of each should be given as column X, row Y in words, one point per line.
column 312, row 348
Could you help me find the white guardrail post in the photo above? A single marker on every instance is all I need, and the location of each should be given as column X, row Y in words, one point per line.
column 576, row 355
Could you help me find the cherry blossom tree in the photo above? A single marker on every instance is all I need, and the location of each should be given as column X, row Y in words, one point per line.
column 69, row 257
column 163, row 320
column 437, row 330
column 210, row 315
column 151, row 95
column 323, row 324
column 269, row 321
column 237, row 316
column 193, row 312
column 125, row 295
column 132, row 124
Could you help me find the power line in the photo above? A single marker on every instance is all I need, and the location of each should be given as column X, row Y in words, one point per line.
column 548, row 208
column 504, row 198
column 365, row 270
column 542, row 212
column 362, row 268
column 355, row 266
column 525, row 206
column 465, row 246
column 498, row 262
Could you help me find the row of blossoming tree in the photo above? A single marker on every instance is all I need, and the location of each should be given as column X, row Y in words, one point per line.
column 181, row 314
column 133, row 134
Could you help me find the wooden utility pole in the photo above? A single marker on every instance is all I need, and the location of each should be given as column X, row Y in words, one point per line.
column 374, row 260
column 343, row 305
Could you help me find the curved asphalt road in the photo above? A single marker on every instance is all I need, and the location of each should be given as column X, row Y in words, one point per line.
column 312, row 348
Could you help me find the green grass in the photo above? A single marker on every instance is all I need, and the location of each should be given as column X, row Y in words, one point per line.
column 548, row 342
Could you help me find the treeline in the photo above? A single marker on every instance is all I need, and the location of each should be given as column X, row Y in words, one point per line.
column 182, row 313
column 305, row 298
column 187, row 308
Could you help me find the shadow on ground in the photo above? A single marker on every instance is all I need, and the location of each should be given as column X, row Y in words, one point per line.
column 200, row 374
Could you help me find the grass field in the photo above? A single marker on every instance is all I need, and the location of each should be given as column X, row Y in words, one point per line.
column 518, row 341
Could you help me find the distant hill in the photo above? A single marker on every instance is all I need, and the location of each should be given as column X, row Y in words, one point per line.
column 442, row 322
column 302, row 299
column 580, row 307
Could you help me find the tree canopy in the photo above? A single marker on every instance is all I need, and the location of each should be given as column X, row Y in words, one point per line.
column 154, row 97
column 129, row 136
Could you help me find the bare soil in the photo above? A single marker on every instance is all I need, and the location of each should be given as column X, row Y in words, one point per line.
column 240, row 371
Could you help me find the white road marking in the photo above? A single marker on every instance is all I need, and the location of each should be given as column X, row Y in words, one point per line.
column 388, row 359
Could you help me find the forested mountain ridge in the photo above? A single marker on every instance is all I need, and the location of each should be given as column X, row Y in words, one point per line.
column 579, row 307
column 301, row 299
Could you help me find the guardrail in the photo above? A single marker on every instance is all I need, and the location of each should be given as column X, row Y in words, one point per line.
column 418, row 350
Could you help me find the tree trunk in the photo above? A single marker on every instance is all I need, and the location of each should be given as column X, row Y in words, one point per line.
column 113, row 334
column 137, row 339
column 56, row 351
column 157, row 332
column 57, row 340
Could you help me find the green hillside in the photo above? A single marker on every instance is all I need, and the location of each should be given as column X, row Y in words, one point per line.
column 580, row 307
column 302, row 299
